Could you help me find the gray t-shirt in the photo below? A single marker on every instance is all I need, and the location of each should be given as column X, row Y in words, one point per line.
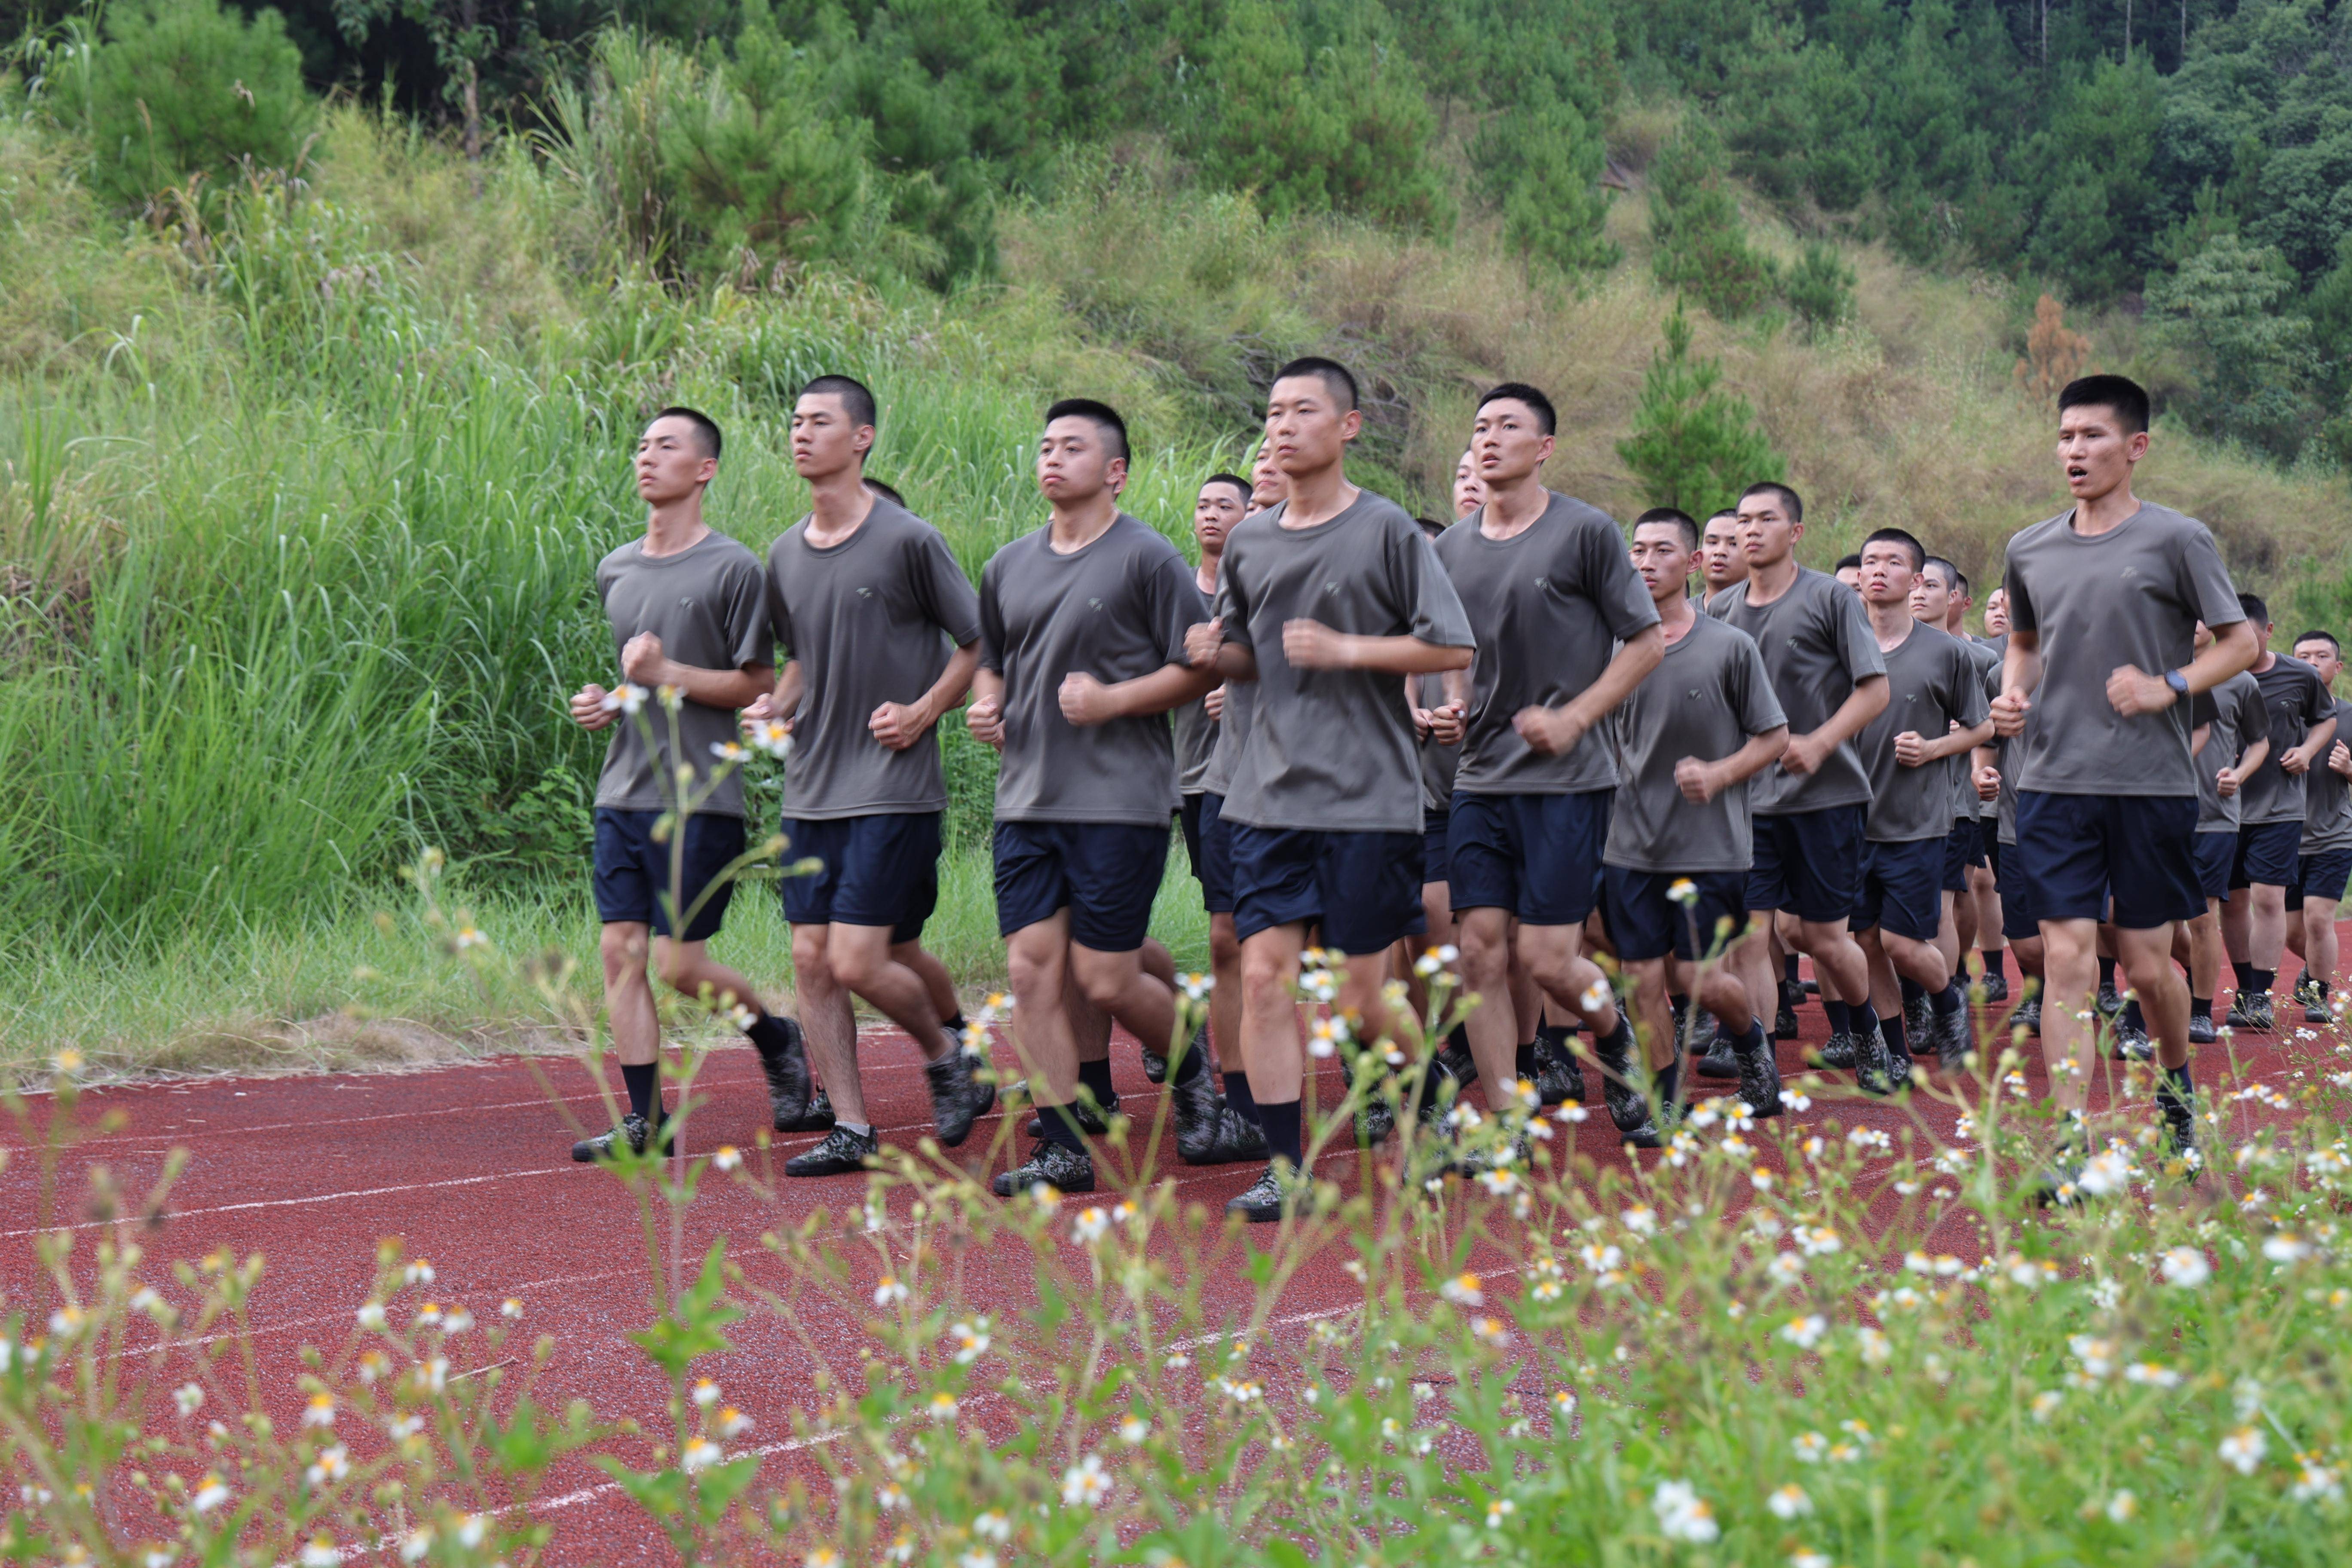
column 2326, row 803
column 2234, row 717
column 709, row 605
column 1196, row 743
column 1116, row 609
column 1817, row 644
column 2293, row 701
column 2133, row 596
column 1555, row 599
column 1233, row 734
column 1965, row 803
column 870, row 620
column 1332, row 749
column 1707, row 700
column 1931, row 680
column 1999, row 648
column 2005, row 756
column 1438, row 762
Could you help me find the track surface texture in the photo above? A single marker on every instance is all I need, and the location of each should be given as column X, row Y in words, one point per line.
column 469, row 1165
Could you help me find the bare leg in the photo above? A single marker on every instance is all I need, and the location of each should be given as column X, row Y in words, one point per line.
column 2145, row 959
column 1948, row 931
column 1552, row 957
column 1654, row 1012
column 2071, row 954
column 864, row 960
column 1225, row 994
column 2319, row 947
column 1120, row 984
column 1753, row 958
column 2238, row 925
column 1836, row 958
column 1493, row 1026
column 828, row 1023
column 1270, row 1041
column 628, row 996
column 2266, row 933
column 936, row 979
column 1038, row 956
column 1984, row 890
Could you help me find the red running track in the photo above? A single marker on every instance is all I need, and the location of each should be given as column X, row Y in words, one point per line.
column 469, row 1165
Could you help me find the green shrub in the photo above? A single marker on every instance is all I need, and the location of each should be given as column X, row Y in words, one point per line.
column 1702, row 246
column 1820, row 288
column 1692, row 446
column 1542, row 165
column 2254, row 362
column 181, row 88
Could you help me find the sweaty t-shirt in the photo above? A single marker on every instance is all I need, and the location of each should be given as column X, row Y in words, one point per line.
column 1116, row 609
column 1986, row 661
column 2234, row 717
column 2326, row 805
column 871, row 619
column 2132, row 596
column 709, row 605
column 2293, row 700
column 1817, row 644
column 1332, row 750
column 1931, row 680
column 1707, row 697
column 1554, row 599
column 1438, row 760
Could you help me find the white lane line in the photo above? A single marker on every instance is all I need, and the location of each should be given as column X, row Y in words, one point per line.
column 293, row 1202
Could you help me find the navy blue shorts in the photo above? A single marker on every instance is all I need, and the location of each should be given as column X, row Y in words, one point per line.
column 1901, row 888
column 2267, row 852
column 1992, row 848
column 2078, row 848
column 2017, row 920
column 2216, row 855
column 1188, row 822
column 1538, row 856
column 1809, row 863
column 1105, row 873
column 636, row 882
column 1963, row 847
column 1364, row 889
column 1212, row 862
column 879, row 870
column 2320, row 875
column 1646, row 922
column 1434, row 829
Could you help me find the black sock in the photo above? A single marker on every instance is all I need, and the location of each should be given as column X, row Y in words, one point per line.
column 1458, row 1037
column 2176, row 1091
column 1061, row 1124
column 768, row 1035
column 1992, row 956
column 2133, row 1019
column 1681, row 1002
column 1669, row 1081
column 1524, row 1063
column 1949, row 1000
column 1282, row 1136
column 1754, row 1040
column 1189, row 1066
column 1556, row 1035
column 2200, row 1007
column 2262, row 979
column 955, row 1027
column 1890, row 1030
column 643, row 1083
column 2245, row 974
column 2106, row 974
column 1096, row 1076
column 1912, row 992
column 1789, row 971
column 1865, row 1020
column 1840, row 1016
column 1237, row 1095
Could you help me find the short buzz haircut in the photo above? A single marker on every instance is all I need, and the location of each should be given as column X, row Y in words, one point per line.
column 1730, row 512
column 1844, row 562
column 1954, row 580
column 856, row 399
column 704, row 425
column 885, row 491
column 1236, row 481
column 1903, row 537
column 1681, row 520
column 2256, row 610
column 1790, row 502
column 2315, row 635
column 1337, row 379
column 1102, row 415
column 1520, row 392
column 2128, row 397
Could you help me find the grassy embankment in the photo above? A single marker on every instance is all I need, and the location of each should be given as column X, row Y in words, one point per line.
column 299, row 516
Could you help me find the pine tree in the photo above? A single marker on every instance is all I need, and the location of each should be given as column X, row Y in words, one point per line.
column 1694, row 446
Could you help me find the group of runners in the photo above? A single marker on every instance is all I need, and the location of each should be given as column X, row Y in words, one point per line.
column 1505, row 743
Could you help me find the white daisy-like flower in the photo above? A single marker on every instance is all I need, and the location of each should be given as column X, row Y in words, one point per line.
column 331, row 1465
column 2185, row 1268
column 700, row 1454
column 888, row 1291
column 1809, row 1447
column 2315, row 1481
column 2242, row 1449
column 1086, row 1483
column 1135, row 1429
column 1683, row 1514
column 319, row 1410
column 2121, row 1508
column 2286, row 1248
column 318, row 1552
column 1498, row 1510
column 1789, row 1502
column 970, row 1341
column 1093, row 1224
column 1462, row 1290
column 417, row 1543
column 210, row 1493
column 2151, row 1374
column 1805, row 1333
column 189, row 1397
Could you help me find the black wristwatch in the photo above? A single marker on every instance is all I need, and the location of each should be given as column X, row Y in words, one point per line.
column 2177, row 682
